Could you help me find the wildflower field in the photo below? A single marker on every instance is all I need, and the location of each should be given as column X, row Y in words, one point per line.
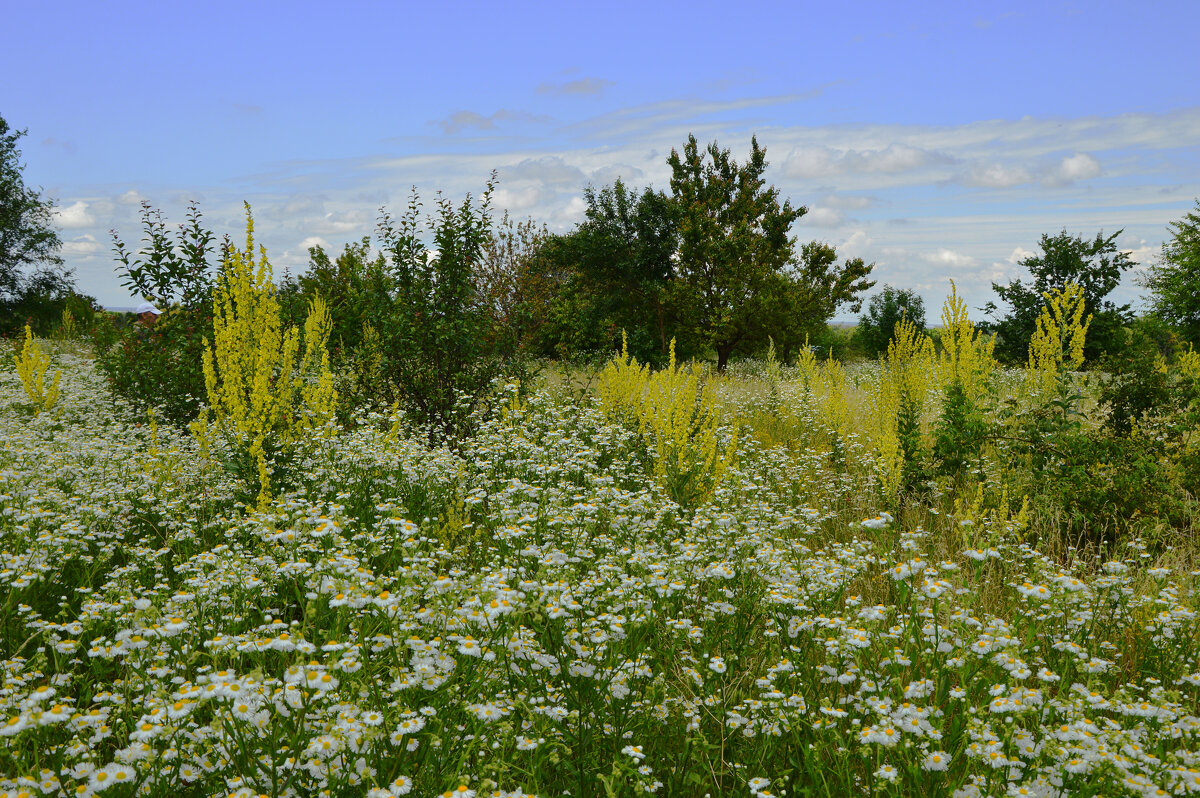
column 619, row 583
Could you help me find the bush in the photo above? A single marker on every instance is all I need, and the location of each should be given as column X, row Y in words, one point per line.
column 440, row 345
column 159, row 366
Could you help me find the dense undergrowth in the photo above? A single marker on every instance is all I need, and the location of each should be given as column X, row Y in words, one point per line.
column 805, row 580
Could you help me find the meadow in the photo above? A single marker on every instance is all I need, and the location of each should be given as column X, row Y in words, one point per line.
column 621, row 582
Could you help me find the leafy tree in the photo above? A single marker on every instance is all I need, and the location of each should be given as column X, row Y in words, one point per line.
column 515, row 282
column 613, row 273
column 734, row 243
column 1095, row 266
column 352, row 285
column 803, row 296
column 1174, row 281
column 160, row 366
column 438, row 337
column 877, row 326
column 34, row 285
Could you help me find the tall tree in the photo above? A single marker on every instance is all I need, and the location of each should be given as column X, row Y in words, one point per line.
column 31, row 270
column 618, row 264
column 1174, row 280
column 877, row 326
column 1095, row 266
column 733, row 241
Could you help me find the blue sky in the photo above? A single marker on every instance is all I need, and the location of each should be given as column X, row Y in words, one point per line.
column 939, row 140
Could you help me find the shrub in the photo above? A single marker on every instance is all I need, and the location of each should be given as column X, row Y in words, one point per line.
column 159, row 366
column 441, row 349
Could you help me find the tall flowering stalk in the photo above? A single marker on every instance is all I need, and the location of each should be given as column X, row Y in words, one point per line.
column 1057, row 344
column 676, row 409
column 267, row 387
column 31, row 365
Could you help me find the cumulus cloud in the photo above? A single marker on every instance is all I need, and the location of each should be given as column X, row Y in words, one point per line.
column 807, row 162
column 74, row 215
column 996, row 175
column 856, row 246
column 1019, row 254
column 313, row 241
column 517, row 199
column 575, row 209
column 580, row 86
column 818, row 216
column 948, row 257
column 342, row 222
column 548, row 170
column 83, row 247
column 461, row 120
column 130, row 197
column 1080, row 166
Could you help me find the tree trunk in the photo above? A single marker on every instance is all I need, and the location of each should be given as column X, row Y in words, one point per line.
column 723, row 353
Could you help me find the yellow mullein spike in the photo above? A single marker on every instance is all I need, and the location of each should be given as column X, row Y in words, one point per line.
column 31, row 364
column 261, row 388
column 1057, row 344
column 967, row 357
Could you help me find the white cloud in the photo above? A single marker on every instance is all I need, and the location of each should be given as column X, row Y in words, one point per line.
column 548, row 170
column 607, row 175
column 1019, row 254
column 74, row 215
column 314, row 241
column 820, row 161
column 997, row 175
column 857, row 245
column 131, row 197
column 575, row 210
column 520, row 199
column 948, row 257
column 810, row 162
column 846, row 202
column 1080, row 166
column 823, row 217
column 83, row 247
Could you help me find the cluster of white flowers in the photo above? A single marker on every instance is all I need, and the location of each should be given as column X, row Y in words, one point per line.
column 407, row 619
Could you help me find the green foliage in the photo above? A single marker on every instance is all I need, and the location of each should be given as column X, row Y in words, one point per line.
column 806, row 293
column 28, row 240
column 611, row 275
column 1095, row 266
column 513, row 281
column 1102, row 486
column 353, row 286
column 960, row 431
column 733, row 243
column 169, row 272
column 877, row 325
column 159, row 366
column 1174, row 281
column 439, row 337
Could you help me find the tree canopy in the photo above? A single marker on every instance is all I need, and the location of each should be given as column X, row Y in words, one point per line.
column 34, row 285
column 1174, row 280
column 1095, row 266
